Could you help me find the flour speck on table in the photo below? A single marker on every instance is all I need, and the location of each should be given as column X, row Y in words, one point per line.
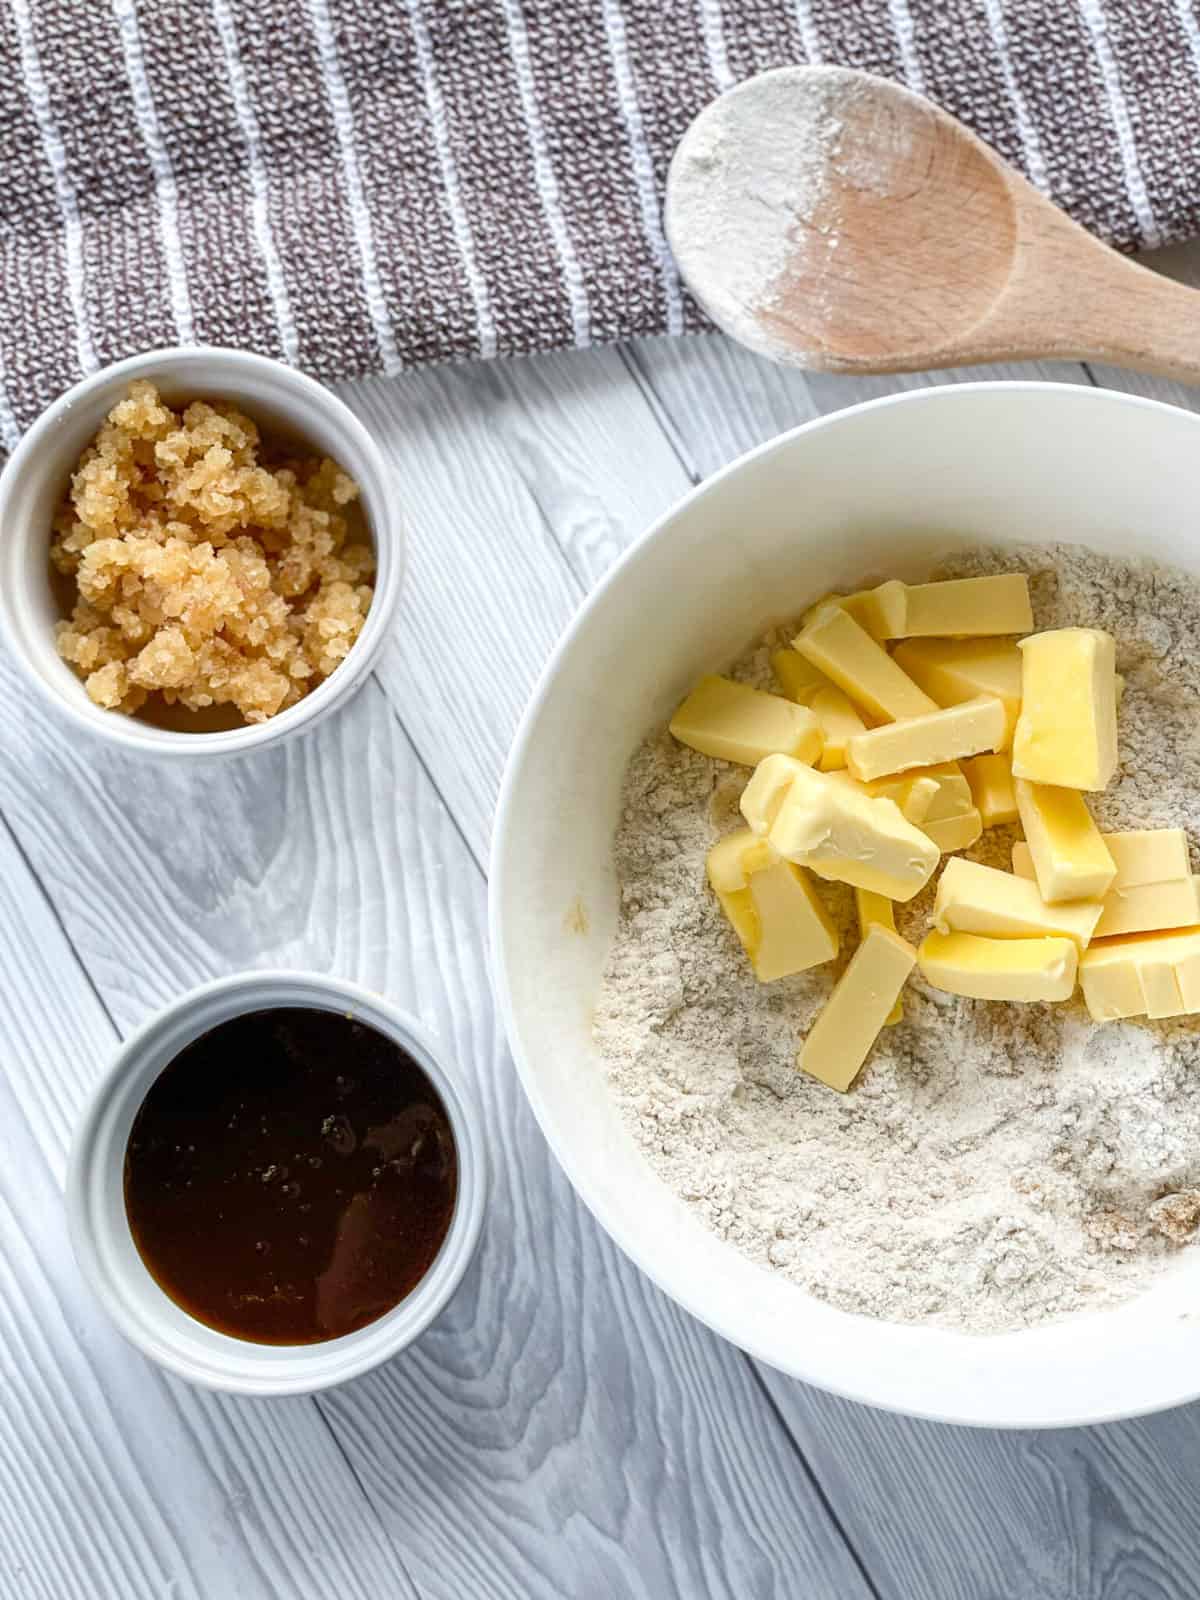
column 994, row 1166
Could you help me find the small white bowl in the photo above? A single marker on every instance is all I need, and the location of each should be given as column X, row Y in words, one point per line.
column 36, row 477
column 109, row 1258
column 881, row 489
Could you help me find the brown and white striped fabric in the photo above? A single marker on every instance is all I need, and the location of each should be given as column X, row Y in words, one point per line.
column 361, row 185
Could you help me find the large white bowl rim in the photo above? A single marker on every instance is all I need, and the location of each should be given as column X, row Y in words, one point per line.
column 1114, row 471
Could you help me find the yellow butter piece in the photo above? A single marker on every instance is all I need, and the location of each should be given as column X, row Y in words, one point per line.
column 1070, row 859
column 863, row 605
column 1160, row 988
column 914, row 793
column 1145, row 974
column 737, row 723
column 1111, row 986
column 1139, row 907
column 960, row 606
column 1148, row 855
column 991, row 783
column 999, row 969
column 840, row 1040
column 878, row 610
column 937, row 736
column 877, row 910
column 839, row 721
column 1067, row 731
column 1140, row 855
column 955, row 833
column 972, row 898
column 953, row 797
column 822, row 822
column 954, row 670
column 798, row 678
column 1147, row 907
column 726, row 860
column 845, row 652
column 774, row 909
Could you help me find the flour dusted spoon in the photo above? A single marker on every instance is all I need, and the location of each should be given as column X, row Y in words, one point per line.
column 834, row 220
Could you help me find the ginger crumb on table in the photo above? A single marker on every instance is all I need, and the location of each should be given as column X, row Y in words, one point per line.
column 202, row 576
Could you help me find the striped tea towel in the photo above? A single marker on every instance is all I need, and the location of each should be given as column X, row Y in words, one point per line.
column 363, row 185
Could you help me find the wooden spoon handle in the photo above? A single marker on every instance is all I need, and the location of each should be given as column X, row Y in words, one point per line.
column 1070, row 297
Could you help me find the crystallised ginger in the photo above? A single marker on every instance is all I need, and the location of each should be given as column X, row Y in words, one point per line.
column 201, row 575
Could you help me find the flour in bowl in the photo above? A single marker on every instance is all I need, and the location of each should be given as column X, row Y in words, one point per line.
column 994, row 1166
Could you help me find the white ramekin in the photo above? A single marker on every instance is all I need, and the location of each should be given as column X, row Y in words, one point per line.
column 108, row 1256
column 36, row 477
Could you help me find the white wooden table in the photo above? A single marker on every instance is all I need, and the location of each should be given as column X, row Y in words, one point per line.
column 563, row 1430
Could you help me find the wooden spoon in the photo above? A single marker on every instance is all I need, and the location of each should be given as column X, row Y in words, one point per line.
column 835, row 220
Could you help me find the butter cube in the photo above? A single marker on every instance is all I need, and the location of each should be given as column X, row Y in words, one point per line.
column 1160, row 987
column 763, row 797
column 1111, row 986
column 774, row 909
column 838, row 720
column 999, row 969
column 840, row 1040
column 1147, row 907
column 925, row 741
column 737, row 723
column 1147, row 974
column 966, row 606
column 954, row 833
column 879, row 610
column 953, row 797
column 863, row 605
column 915, row 793
column 991, row 782
column 1067, row 731
column 1135, row 907
column 1070, row 859
column 972, row 898
column 954, row 670
column 798, row 678
column 877, row 910
column 727, row 865
column 1148, row 855
column 1140, row 855
column 824, row 823
column 845, row 652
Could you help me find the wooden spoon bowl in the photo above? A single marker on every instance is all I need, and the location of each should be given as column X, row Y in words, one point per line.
column 903, row 243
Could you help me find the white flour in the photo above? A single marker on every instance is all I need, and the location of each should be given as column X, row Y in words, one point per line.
column 749, row 186
column 994, row 1165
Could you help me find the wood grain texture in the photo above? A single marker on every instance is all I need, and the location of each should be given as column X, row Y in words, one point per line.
column 1089, row 1514
column 564, row 1429
column 719, row 399
column 115, row 1480
column 521, row 482
column 1182, row 265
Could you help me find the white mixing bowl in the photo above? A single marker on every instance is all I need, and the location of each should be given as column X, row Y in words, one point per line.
column 882, row 488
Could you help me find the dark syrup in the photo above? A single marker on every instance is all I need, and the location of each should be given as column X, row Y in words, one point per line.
column 290, row 1176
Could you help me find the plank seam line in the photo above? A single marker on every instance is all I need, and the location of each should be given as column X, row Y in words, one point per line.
column 659, row 411
column 429, row 777
column 810, row 1473
column 582, row 584
column 61, row 925
column 319, row 1406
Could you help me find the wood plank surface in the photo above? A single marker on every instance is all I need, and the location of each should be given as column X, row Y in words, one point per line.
column 114, row 1479
column 936, row 1510
column 563, row 1430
